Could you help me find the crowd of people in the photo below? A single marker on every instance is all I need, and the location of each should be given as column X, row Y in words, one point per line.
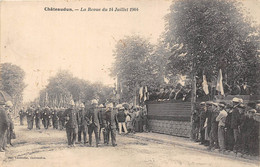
column 227, row 127
column 103, row 119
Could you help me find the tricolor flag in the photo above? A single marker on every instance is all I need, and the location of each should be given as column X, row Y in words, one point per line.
column 205, row 85
column 219, row 86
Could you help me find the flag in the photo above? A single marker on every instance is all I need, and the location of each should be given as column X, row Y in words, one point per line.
column 205, row 85
column 219, row 86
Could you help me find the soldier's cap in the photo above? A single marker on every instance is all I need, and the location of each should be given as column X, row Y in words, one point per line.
column 101, row 106
column 9, row 104
column 209, row 102
column 94, row 101
column 202, row 103
column 241, row 106
column 81, row 105
column 252, row 111
column 72, row 103
column 109, row 105
column 235, row 99
column 120, row 107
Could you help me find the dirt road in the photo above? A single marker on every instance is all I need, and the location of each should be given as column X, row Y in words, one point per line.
column 39, row 148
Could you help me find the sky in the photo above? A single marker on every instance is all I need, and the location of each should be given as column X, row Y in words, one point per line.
column 44, row 42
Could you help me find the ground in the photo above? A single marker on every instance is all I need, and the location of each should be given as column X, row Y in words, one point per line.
column 49, row 148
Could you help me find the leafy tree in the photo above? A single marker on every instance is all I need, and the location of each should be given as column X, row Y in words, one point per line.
column 134, row 65
column 12, row 82
column 212, row 35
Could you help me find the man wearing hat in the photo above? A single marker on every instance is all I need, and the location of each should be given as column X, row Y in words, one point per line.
column 61, row 118
column 214, row 127
column 10, row 129
column 207, row 124
column 235, row 121
column 93, row 115
column 3, row 126
column 55, row 118
column 221, row 119
column 203, row 110
column 21, row 115
column 46, row 115
column 110, row 124
column 229, row 134
column 83, row 124
column 30, row 117
column 121, row 117
column 72, row 123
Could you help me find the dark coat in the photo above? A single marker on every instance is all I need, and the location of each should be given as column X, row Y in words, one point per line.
column 94, row 116
column 71, row 117
column 82, row 118
column 3, row 120
column 235, row 118
column 121, row 116
column 111, row 119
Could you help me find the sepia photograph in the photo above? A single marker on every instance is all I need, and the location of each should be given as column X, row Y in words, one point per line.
column 134, row 83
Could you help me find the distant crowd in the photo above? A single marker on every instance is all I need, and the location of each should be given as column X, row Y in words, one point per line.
column 227, row 127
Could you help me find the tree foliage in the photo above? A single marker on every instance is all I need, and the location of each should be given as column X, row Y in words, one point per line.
column 12, row 82
column 212, row 34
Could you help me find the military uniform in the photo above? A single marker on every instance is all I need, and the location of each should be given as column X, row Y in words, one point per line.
column 61, row 118
column 3, row 127
column 83, row 123
column 46, row 115
column 30, row 118
column 37, row 113
column 55, row 119
column 110, row 126
column 94, row 118
column 21, row 115
column 71, row 125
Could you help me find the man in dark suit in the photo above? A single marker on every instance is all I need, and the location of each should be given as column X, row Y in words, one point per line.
column 72, row 123
column 30, row 117
column 110, row 124
column 21, row 115
column 94, row 117
column 83, row 122
column 46, row 115
column 3, row 126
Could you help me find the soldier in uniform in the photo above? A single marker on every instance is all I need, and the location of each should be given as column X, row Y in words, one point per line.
column 3, row 126
column 61, row 118
column 10, row 128
column 110, row 124
column 21, row 115
column 46, row 115
column 71, row 125
column 83, row 123
column 30, row 117
column 37, row 113
column 94, row 118
column 102, row 125
column 55, row 118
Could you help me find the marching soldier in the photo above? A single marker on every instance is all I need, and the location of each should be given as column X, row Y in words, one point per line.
column 46, row 115
column 83, row 123
column 94, row 118
column 30, row 118
column 61, row 118
column 37, row 113
column 71, row 125
column 21, row 115
column 110, row 124
column 55, row 118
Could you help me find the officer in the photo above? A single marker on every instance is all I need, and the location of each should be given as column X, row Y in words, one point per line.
column 94, row 118
column 3, row 126
column 37, row 113
column 110, row 124
column 102, row 126
column 8, row 106
column 55, row 118
column 46, row 115
column 21, row 115
column 30, row 117
column 61, row 118
column 71, row 124
column 83, row 123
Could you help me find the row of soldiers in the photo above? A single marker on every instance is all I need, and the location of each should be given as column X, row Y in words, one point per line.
column 227, row 127
column 48, row 116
